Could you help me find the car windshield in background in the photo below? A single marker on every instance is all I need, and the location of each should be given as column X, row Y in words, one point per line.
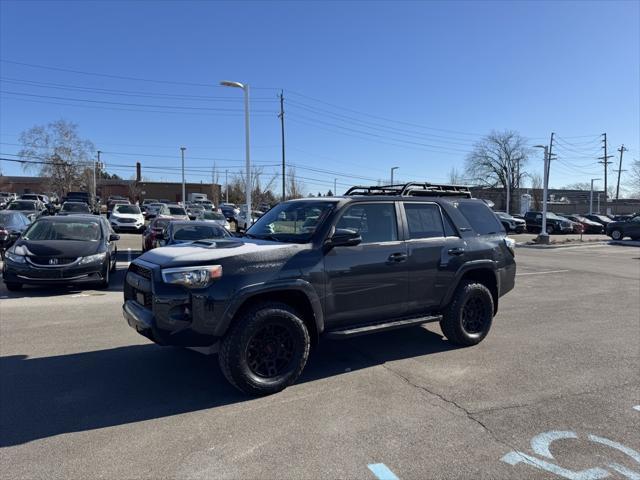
column 76, row 207
column 480, row 217
column 160, row 224
column 213, row 216
column 291, row 221
column 22, row 205
column 127, row 209
column 198, row 232
column 53, row 230
column 177, row 211
column 10, row 220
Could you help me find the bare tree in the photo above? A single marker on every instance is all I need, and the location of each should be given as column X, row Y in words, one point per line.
column 497, row 160
column 634, row 178
column 578, row 186
column 536, row 186
column 456, row 177
column 294, row 186
column 64, row 155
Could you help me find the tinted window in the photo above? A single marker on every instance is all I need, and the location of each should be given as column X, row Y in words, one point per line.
column 51, row 230
column 10, row 220
column 480, row 217
column 198, row 232
column 449, row 229
column 25, row 205
column 376, row 222
column 75, row 207
column 213, row 216
column 131, row 209
column 424, row 220
column 177, row 211
column 161, row 223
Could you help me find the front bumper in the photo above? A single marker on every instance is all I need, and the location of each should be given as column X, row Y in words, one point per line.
column 30, row 275
column 170, row 314
column 122, row 226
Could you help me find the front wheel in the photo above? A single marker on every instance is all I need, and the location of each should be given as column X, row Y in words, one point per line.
column 617, row 234
column 266, row 349
column 467, row 319
column 104, row 283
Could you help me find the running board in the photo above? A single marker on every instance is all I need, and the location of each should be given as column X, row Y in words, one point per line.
column 380, row 327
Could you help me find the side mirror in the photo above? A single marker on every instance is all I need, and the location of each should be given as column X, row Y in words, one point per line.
column 344, row 237
column 114, row 237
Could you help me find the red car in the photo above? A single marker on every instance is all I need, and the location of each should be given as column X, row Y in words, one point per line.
column 155, row 228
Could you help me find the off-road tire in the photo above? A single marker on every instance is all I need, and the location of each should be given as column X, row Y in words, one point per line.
column 234, row 358
column 452, row 324
column 617, row 234
column 13, row 287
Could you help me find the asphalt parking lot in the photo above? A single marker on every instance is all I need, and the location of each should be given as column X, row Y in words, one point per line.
column 553, row 392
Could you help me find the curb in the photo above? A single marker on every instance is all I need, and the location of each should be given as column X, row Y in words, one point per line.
column 625, row 243
column 564, row 245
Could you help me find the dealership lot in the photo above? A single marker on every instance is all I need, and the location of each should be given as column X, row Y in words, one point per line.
column 549, row 393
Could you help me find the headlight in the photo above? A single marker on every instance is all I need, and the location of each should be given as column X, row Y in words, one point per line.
column 98, row 257
column 14, row 258
column 511, row 245
column 192, row 277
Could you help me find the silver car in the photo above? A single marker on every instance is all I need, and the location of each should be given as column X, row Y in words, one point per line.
column 214, row 217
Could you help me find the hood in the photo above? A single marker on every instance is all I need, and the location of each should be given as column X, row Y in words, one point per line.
column 59, row 248
column 203, row 252
column 136, row 216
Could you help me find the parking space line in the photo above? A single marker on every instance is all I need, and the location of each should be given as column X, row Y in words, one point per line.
column 381, row 471
column 541, row 273
column 637, row 407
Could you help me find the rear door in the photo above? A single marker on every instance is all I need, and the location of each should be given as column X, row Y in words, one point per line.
column 435, row 253
column 367, row 282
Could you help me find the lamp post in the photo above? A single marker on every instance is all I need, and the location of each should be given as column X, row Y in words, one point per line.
column 392, row 169
column 182, row 149
column 591, row 196
column 544, row 236
column 247, row 186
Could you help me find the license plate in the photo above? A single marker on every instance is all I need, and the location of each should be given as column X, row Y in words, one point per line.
column 140, row 298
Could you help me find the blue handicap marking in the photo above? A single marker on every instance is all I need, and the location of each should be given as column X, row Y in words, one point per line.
column 382, row 472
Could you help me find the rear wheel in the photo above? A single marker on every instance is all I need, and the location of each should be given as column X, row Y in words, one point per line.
column 467, row 319
column 616, row 234
column 266, row 350
column 550, row 229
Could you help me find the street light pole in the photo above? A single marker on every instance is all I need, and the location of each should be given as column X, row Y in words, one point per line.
column 544, row 236
column 392, row 169
column 182, row 149
column 247, row 186
column 508, row 187
column 591, row 196
column 226, row 185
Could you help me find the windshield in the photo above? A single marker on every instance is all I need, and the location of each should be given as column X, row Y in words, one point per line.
column 198, row 232
column 22, row 205
column 10, row 220
column 130, row 209
column 213, row 216
column 177, row 211
column 75, row 207
column 291, row 221
column 88, row 231
column 160, row 223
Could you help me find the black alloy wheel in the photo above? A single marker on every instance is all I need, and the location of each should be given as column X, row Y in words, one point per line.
column 270, row 350
column 474, row 315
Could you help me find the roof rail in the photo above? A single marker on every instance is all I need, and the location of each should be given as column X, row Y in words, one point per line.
column 413, row 189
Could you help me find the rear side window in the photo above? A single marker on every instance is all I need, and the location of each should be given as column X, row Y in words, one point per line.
column 479, row 216
column 424, row 220
column 376, row 222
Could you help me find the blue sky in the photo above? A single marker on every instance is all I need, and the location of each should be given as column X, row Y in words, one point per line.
column 367, row 85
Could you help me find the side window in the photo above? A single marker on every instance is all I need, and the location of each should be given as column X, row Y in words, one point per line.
column 424, row 220
column 376, row 222
column 449, row 229
column 483, row 220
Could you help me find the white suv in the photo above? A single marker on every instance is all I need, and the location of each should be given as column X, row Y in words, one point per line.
column 126, row 218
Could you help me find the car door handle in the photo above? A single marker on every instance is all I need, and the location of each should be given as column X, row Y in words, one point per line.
column 397, row 258
column 456, row 251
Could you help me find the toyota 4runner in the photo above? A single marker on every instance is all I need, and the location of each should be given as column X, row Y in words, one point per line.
column 376, row 259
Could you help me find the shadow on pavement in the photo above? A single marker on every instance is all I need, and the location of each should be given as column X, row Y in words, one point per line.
column 43, row 397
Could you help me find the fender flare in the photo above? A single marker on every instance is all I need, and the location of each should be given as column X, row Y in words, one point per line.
column 484, row 264
column 296, row 284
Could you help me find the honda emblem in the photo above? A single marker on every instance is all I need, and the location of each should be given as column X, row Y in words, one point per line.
column 53, row 261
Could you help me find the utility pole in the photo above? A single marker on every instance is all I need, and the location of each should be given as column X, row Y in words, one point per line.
column 95, row 183
column 591, row 196
column 622, row 149
column 605, row 161
column 182, row 149
column 334, row 187
column 544, row 236
column 226, row 185
column 392, row 170
column 281, row 116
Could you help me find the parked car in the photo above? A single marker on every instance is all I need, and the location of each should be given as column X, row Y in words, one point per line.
column 177, row 212
column 148, row 201
column 555, row 224
column 6, row 198
column 206, row 204
column 372, row 263
column 84, row 197
column 178, row 232
column 32, row 209
column 601, row 219
column 74, row 208
column 215, row 217
column 229, row 212
column 154, row 231
column 126, row 218
column 194, row 210
column 42, row 199
column 62, row 250
column 165, row 201
column 242, row 220
column 156, row 210
column 588, row 226
column 12, row 225
column 627, row 228
column 116, row 199
column 511, row 223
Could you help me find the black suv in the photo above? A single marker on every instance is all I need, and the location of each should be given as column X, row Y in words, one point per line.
column 376, row 259
column 555, row 224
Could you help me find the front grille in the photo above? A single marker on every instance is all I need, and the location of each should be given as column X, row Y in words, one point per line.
column 127, row 220
column 140, row 270
column 52, row 261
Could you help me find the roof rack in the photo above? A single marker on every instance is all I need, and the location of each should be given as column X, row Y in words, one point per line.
column 413, row 189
